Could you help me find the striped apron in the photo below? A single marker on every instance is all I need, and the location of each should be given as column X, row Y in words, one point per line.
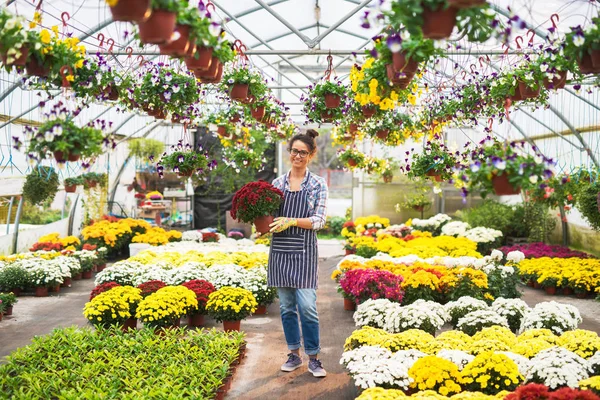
column 293, row 257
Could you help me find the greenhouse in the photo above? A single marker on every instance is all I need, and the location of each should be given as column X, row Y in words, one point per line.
column 308, row 199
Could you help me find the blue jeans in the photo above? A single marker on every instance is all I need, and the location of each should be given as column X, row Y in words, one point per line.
column 300, row 302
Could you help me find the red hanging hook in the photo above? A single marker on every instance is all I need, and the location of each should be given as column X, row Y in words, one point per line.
column 63, row 16
column 129, row 51
column 552, row 18
column 473, row 66
column 101, row 39
column 329, row 69
column 532, row 32
column 142, row 60
column 517, row 41
column 63, row 70
column 490, row 123
column 110, row 42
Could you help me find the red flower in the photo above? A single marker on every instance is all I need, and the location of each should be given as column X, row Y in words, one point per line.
column 208, row 237
column 255, row 199
column 90, row 247
column 364, row 284
column 46, row 246
column 202, row 289
column 102, row 288
column 150, row 287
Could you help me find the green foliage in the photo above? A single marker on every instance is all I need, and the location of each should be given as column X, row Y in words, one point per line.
column 257, row 86
column 503, row 285
column 366, row 251
column 13, row 277
column 314, row 104
column 107, row 363
column 348, row 214
column 435, row 158
column 510, row 220
column 36, row 215
column 40, row 185
column 76, row 180
column 146, row 149
column 539, row 221
column 167, row 5
column 336, row 224
column 587, row 203
column 65, row 136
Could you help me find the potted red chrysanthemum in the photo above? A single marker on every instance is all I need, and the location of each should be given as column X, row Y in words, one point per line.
column 256, row 202
column 202, row 289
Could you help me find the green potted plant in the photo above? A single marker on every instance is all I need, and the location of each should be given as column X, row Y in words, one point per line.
column 96, row 80
column 185, row 161
column 583, row 45
column 351, row 157
column 40, row 185
column 332, row 92
column 322, row 104
column 14, row 49
column 14, row 278
column 588, row 202
column 388, row 171
column 72, row 183
column 403, row 56
column 417, row 201
column 504, row 168
column 8, row 301
column 389, row 128
column 243, row 157
column 435, row 160
column 243, row 84
column 145, row 149
column 555, row 66
column 92, row 179
column 159, row 28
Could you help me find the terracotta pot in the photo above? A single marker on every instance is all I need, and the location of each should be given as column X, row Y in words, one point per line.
column 91, row 184
column 34, row 68
column 235, row 120
column 160, row 114
column 503, row 187
column 258, row 113
column 350, row 251
column 536, row 285
column 73, row 157
column 556, row 83
column 327, row 115
column 398, row 79
column 211, row 71
column 439, row 23
column 131, row 10
column 261, row 310
column 112, row 93
column 368, row 111
column 59, row 156
column 349, row 305
column 41, row 292
column 185, row 173
column 517, row 96
column 129, row 324
column 239, row 92
column 1, row 316
column 567, row 291
column 262, row 224
column 70, row 188
column 54, row 289
column 352, row 163
column 530, row 283
column 595, row 56
column 550, row 290
column 19, row 62
column 220, row 395
column 8, row 310
column 191, row 48
column 352, row 128
column 581, row 295
column 219, row 75
column 66, row 282
column 196, row 320
column 86, row 274
column 179, row 47
column 230, row 326
column 402, row 64
column 466, row 3
column 100, row 268
column 383, row 134
column 527, row 92
column 222, row 130
column 15, row 291
column 418, row 208
column 436, row 177
column 159, row 28
column 387, row 178
column 202, row 60
column 77, row 277
column 332, row 100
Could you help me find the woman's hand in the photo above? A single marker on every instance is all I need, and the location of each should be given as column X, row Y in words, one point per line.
column 280, row 224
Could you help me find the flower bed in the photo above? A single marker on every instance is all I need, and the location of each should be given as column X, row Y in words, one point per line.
column 108, row 363
column 539, row 250
column 581, row 275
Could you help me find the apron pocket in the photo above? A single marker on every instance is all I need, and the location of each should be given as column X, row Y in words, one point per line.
column 288, row 244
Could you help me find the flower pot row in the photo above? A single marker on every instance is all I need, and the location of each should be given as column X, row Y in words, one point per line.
column 554, row 291
column 67, row 282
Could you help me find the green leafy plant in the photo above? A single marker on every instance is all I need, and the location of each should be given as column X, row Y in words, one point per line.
column 14, row 277
column 588, row 203
column 510, row 220
column 165, row 89
column 146, row 149
column 13, row 38
column 183, row 160
column 257, row 87
column 74, row 181
column 40, row 185
column 8, row 299
column 351, row 156
column 435, row 159
column 96, row 79
column 166, row 5
column 580, row 42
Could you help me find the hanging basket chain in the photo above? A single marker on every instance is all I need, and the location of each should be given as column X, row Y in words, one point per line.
column 329, row 69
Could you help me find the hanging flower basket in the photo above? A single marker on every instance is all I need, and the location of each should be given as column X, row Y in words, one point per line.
column 202, row 60
column 258, row 112
column 218, row 76
column 70, row 188
column 332, row 100
column 34, row 68
column 586, row 64
column 262, row 224
column 466, row 3
column 159, row 28
column 398, row 79
column 211, row 72
column 556, row 83
column 368, row 111
column 528, row 92
column 418, row 208
column 434, row 175
column 179, row 47
column 503, row 187
column 439, row 23
column 239, row 92
column 353, row 128
column 388, row 178
column 19, row 62
column 352, row 163
column 131, row 10
column 235, row 119
column 112, row 93
column 402, row 64
column 383, row 134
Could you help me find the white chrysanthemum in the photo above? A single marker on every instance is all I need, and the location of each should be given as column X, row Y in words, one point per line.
column 458, row 357
column 557, row 367
column 557, row 317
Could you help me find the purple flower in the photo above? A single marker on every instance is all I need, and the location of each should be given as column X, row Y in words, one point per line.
column 498, row 162
column 476, row 166
column 394, row 43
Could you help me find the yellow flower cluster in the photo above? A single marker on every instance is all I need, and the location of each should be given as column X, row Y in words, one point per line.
column 378, row 393
column 113, row 306
column 68, row 48
column 592, row 384
column 491, row 373
column 231, row 304
column 166, row 305
column 157, row 236
column 64, row 242
column 176, row 259
column 107, row 232
column 371, row 221
column 423, row 246
column 22, row 256
column 582, row 274
column 434, row 373
column 495, row 338
column 154, row 194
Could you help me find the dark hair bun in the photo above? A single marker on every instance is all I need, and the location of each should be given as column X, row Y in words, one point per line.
column 312, row 133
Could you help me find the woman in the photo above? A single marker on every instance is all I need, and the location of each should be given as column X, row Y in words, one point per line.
column 294, row 255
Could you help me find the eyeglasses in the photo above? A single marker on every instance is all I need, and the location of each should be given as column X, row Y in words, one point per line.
column 296, row 152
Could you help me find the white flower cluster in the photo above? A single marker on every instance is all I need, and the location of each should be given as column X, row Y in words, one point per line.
column 151, row 273
column 191, row 236
column 515, row 256
column 372, row 366
column 557, row 366
column 458, row 357
column 551, row 315
column 187, row 272
column 224, row 245
column 394, row 318
column 43, row 273
column 481, row 234
column 476, row 320
column 226, row 275
column 431, row 223
column 463, row 306
column 122, row 272
column 407, row 357
column 455, row 228
column 594, row 363
column 373, row 312
column 510, row 308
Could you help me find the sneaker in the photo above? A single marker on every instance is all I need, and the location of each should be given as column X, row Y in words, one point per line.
column 294, row 362
column 315, row 367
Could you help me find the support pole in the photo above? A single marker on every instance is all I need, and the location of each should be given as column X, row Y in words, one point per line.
column 72, row 215
column 12, row 199
column 16, row 230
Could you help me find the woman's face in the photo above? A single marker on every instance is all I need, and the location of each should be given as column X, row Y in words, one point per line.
column 300, row 154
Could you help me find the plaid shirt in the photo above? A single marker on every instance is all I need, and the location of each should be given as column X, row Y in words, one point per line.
column 316, row 187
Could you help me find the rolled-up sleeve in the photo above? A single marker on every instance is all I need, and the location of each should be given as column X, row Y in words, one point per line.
column 320, row 216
